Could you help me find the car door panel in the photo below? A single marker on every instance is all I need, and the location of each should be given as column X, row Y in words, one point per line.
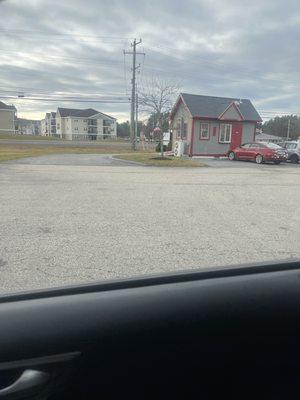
column 254, row 150
column 163, row 334
column 242, row 151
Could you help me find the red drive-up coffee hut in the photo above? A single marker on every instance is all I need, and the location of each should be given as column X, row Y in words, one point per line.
column 211, row 126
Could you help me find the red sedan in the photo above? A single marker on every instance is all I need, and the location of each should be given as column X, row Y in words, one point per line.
column 259, row 152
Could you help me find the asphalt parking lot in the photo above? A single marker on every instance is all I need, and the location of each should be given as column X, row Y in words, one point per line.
column 225, row 163
column 80, row 218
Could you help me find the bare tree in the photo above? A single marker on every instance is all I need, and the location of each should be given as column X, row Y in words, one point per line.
column 157, row 97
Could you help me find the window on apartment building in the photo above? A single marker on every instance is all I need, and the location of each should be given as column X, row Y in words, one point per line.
column 225, row 133
column 76, row 129
column 204, row 131
column 75, row 120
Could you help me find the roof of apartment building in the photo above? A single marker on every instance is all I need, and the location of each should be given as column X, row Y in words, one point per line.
column 213, row 107
column 73, row 112
column 4, row 106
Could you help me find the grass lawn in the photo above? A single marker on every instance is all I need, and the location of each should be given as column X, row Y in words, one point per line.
column 47, row 138
column 14, row 151
column 27, row 137
column 151, row 159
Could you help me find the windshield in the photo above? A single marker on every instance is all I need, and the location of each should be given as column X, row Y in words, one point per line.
column 121, row 132
column 291, row 146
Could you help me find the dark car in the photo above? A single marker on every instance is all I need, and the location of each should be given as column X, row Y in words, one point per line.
column 259, row 152
column 293, row 149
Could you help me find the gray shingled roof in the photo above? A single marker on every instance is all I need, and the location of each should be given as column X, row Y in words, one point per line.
column 68, row 112
column 212, row 107
column 72, row 112
column 87, row 113
column 108, row 116
column 4, row 106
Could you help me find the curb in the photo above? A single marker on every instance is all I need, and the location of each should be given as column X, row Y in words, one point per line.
column 129, row 161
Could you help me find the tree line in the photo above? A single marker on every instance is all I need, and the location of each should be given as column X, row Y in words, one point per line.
column 278, row 126
column 123, row 128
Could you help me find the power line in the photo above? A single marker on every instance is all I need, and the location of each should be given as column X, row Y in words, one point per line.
column 218, row 63
column 67, row 94
column 223, row 77
column 35, row 32
column 125, row 75
column 70, row 100
column 141, row 69
column 43, row 92
column 94, row 60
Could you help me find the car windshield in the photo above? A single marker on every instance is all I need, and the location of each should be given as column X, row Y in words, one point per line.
column 121, row 132
column 291, row 146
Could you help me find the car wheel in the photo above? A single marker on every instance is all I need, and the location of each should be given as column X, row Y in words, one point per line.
column 294, row 159
column 231, row 156
column 259, row 159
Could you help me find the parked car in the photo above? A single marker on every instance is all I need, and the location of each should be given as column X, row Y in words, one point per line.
column 293, row 149
column 259, row 152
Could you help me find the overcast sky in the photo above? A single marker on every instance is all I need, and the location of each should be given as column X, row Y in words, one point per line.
column 235, row 48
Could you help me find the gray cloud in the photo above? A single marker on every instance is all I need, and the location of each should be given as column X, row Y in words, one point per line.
column 217, row 47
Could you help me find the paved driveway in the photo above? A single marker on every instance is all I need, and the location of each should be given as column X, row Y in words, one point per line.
column 225, row 163
column 62, row 224
column 71, row 159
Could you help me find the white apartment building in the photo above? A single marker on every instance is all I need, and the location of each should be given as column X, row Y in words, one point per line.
column 7, row 119
column 48, row 125
column 88, row 124
column 27, row 126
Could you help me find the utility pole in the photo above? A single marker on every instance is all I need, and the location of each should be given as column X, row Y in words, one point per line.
column 133, row 92
column 136, row 111
column 288, row 129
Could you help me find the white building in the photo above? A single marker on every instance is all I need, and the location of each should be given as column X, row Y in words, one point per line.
column 28, row 126
column 7, row 119
column 265, row 137
column 44, row 125
column 88, row 124
column 48, row 125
